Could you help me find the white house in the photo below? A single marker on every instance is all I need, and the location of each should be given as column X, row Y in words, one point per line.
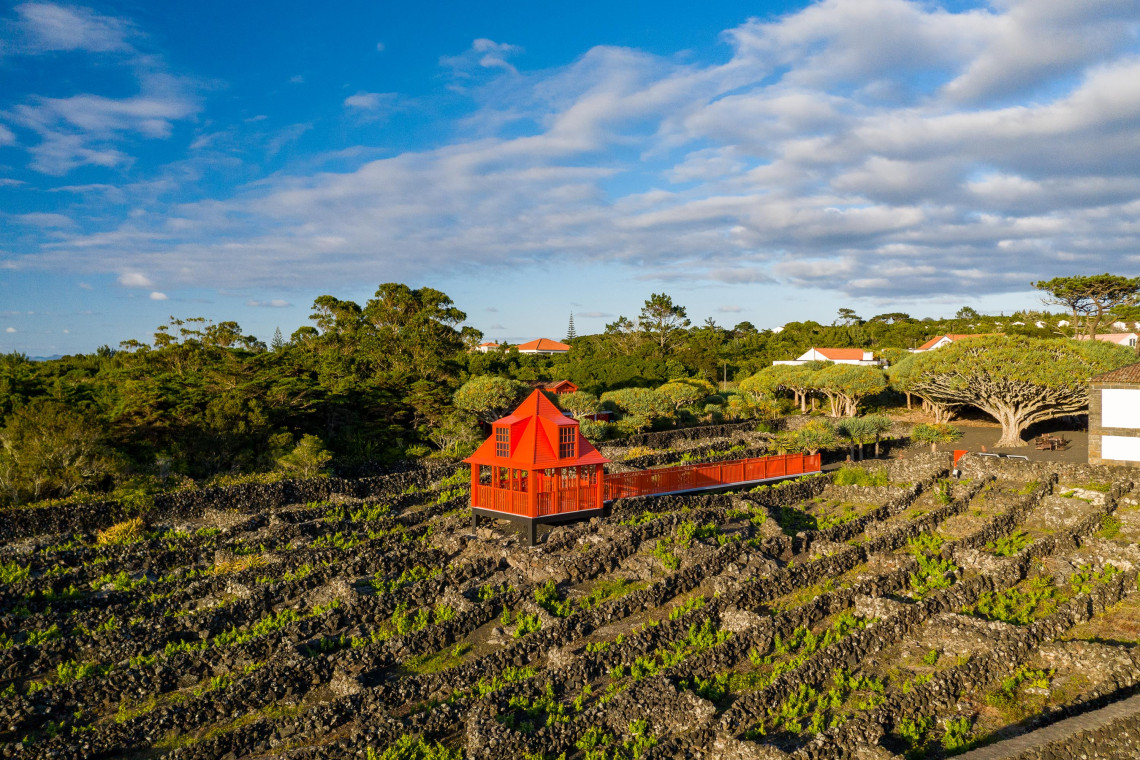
column 1114, row 417
column 1120, row 339
column 488, row 346
column 837, row 356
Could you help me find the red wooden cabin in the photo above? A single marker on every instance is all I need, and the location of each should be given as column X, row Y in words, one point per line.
column 557, row 387
column 536, row 467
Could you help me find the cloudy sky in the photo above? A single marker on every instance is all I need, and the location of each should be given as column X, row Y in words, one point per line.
column 758, row 161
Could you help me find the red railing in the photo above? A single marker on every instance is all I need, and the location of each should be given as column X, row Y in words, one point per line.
column 501, row 500
column 573, row 499
column 624, row 485
column 693, row 477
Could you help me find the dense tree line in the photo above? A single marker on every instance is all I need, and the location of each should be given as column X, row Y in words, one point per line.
column 396, row 378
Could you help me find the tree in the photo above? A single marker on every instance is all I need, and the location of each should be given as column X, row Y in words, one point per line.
column 640, row 405
column 891, row 318
column 308, row 458
column 488, row 397
column 661, row 320
column 571, row 333
column 812, row 438
column 579, row 403
column 880, row 425
column 454, row 432
column 1091, row 298
column 48, row 449
column 415, row 330
column 845, row 385
column 967, row 312
column 902, row 375
column 623, row 335
column 1016, row 380
column 935, row 434
column 848, row 317
column 795, row 378
column 278, row 343
column 858, row 431
column 680, row 393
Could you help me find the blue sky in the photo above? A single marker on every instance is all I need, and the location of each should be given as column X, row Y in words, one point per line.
column 757, row 161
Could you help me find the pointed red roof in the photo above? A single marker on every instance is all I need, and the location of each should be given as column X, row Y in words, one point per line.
column 534, row 434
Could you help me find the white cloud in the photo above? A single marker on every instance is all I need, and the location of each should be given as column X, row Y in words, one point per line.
column 859, row 145
column 369, row 101
column 10, row 330
column 37, row 219
column 158, row 296
column 135, row 280
column 276, row 303
column 730, row 309
column 483, row 53
column 84, row 129
column 89, row 128
column 51, row 27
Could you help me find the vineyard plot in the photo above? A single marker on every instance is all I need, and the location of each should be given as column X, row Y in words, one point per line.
column 908, row 612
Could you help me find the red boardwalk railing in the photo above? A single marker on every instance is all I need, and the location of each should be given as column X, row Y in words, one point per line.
column 556, row 497
column 694, row 477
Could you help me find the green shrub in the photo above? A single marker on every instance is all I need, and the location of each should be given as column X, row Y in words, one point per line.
column 409, row 748
column 548, row 598
column 1007, row 546
column 10, row 572
column 527, row 624
column 857, row 476
column 956, row 735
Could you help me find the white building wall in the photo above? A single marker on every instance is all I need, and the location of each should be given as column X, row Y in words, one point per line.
column 1120, row 448
column 1120, row 408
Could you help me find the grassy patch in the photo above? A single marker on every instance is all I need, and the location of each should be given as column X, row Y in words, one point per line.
column 857, row 476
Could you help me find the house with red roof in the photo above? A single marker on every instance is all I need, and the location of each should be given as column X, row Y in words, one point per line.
column 1121, row 339
column 837, row 356
column 488, row 346
column 1114, row 417
column 544, row 346
column 938, row 341
column 557, row 387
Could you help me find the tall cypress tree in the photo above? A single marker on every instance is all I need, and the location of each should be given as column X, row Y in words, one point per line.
column 278, row 341
column 570, row 333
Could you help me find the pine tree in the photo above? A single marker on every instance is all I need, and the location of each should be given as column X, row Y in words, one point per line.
column 278, row 342
column 570, row 333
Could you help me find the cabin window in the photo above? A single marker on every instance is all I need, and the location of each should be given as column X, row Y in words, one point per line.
column 502, row 442
column 566, row 441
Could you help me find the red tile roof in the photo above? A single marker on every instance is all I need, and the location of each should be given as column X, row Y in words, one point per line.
column 1129, row 374
column 835, row 354
column 544, row 344
column 555, row 386
column 952, row 336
